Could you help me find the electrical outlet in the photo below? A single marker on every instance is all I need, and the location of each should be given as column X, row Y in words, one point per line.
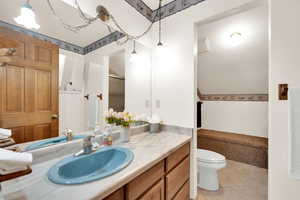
column 157, row 103
column 147, row 103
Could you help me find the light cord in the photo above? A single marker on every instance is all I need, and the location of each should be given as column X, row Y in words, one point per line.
column 89, row 20
column 159, row 34
column 72, row 28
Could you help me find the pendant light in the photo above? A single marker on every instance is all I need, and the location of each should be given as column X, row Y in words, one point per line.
column 27, row 17
column 134, row 56
column 159, row 44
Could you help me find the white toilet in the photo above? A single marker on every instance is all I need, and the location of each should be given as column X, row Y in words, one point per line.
column 208, row 162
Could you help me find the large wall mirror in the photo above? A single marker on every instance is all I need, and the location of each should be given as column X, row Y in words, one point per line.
column 50, row 91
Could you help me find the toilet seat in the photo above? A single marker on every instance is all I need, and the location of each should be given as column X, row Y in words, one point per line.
column 207, row 156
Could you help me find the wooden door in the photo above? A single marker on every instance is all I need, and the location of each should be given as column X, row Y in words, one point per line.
column 29, row 88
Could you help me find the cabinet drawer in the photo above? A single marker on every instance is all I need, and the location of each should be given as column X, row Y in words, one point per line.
column 177, row 177
column 184, row 193
column 177, row 157
column 156, row 192
column 117, row 195
column 143, row 182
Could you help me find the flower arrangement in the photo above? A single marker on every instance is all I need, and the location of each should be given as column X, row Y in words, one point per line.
column 119, row 118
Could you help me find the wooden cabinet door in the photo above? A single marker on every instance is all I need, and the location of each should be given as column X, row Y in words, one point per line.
column 117, row 195
column 184, row 193
column 156, row 192
column 29, row 88
column 177, row 177
column 143, row 182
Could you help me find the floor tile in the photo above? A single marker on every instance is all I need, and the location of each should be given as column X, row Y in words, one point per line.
column 239, row 181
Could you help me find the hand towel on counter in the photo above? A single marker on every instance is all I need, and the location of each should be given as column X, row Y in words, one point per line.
column 5, row 133
column 294, row 133
column 11, row 162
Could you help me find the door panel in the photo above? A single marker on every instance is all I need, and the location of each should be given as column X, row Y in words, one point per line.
column 29, row 87
column 30, row 90
column 43, row 55
column 2, row 82
column 18, row 133
column 42, row 131
column 14, row 88
column 6, row 41
column 43, row 91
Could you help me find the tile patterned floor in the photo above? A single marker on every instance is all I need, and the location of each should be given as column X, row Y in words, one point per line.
column 239, row 181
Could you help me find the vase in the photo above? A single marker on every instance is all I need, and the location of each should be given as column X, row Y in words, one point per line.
column 125, row 134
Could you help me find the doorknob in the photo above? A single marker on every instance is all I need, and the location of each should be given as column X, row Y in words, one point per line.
column 54, row 116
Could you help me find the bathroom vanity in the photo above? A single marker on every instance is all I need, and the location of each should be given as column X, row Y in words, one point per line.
column 159, row 170
column 168, row 179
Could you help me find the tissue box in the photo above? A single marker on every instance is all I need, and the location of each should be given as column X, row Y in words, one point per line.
column 154, row 127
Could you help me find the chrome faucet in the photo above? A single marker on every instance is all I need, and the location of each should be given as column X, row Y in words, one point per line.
column 69, row 134
column 88, row 146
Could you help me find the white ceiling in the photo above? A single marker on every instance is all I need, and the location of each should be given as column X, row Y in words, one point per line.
column 50, row 25
column 122, row 11
column 153, row 4
column 241, row 69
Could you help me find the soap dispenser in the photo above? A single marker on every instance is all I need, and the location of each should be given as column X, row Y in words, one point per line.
column 97, row 129
column 107, row 136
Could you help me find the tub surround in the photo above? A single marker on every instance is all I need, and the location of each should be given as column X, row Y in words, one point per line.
column 148, row 150
column 242, row 148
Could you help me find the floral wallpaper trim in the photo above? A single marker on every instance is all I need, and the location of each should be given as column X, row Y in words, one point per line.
column 142, row 8
column 234, row 97
column 62, row 44
column 174, row 7
column 103, row 42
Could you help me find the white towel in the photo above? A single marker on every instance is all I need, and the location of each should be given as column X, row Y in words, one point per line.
column 13, row 161
column 294, row 133
column 92, row 109
column 5, row 133
column 10, row 171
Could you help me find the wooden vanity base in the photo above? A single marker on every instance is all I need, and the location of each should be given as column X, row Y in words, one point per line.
column 167, row 180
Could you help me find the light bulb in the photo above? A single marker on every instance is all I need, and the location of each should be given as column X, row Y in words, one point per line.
column 134, row 57
column 160, row 48
column 27, row 17
column 236, row 38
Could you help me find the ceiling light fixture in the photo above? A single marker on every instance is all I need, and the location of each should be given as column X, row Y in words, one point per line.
column 105, row 16
column 27, row 17
column 236, row 38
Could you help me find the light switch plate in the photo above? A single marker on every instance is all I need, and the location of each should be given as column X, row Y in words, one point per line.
column 157, row 103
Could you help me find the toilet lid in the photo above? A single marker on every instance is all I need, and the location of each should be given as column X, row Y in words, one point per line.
column 209, row 156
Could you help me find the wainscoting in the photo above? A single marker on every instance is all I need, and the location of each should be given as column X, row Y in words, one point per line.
column 242, row 148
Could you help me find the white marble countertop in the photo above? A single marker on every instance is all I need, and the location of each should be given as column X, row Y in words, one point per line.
column 148, row 149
